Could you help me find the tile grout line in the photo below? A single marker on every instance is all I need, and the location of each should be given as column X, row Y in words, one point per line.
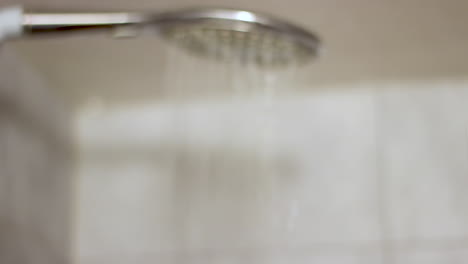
column 387, row 246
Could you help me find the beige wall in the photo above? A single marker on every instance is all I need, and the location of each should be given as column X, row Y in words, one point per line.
column 35, row 168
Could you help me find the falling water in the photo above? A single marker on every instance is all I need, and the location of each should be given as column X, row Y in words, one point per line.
column 216, row 175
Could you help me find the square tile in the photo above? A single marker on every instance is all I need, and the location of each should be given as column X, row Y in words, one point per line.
column 124, row 207
column 423, row 140
column 332, row 197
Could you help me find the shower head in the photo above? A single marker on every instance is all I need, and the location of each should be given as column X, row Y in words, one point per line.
column 236, row 35
column 219, row 33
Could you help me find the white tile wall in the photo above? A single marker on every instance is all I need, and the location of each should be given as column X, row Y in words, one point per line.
column 218, row 179
column 362, row 175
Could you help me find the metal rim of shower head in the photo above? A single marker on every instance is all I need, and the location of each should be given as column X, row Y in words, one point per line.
column 232, row 20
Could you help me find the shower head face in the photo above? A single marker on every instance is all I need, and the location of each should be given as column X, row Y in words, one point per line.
column 239, row 36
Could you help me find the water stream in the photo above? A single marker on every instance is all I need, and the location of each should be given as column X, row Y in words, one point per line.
column 227, row 161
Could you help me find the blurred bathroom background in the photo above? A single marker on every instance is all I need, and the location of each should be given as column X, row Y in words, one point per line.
column 130, row 152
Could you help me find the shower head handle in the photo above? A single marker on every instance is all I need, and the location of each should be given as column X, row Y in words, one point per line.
column 15, row 22
column 36, row 23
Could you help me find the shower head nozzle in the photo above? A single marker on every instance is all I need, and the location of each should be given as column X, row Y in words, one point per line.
column 219, row 33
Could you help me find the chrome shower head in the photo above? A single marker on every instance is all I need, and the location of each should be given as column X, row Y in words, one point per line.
column 236, row 35
column 219, row 33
